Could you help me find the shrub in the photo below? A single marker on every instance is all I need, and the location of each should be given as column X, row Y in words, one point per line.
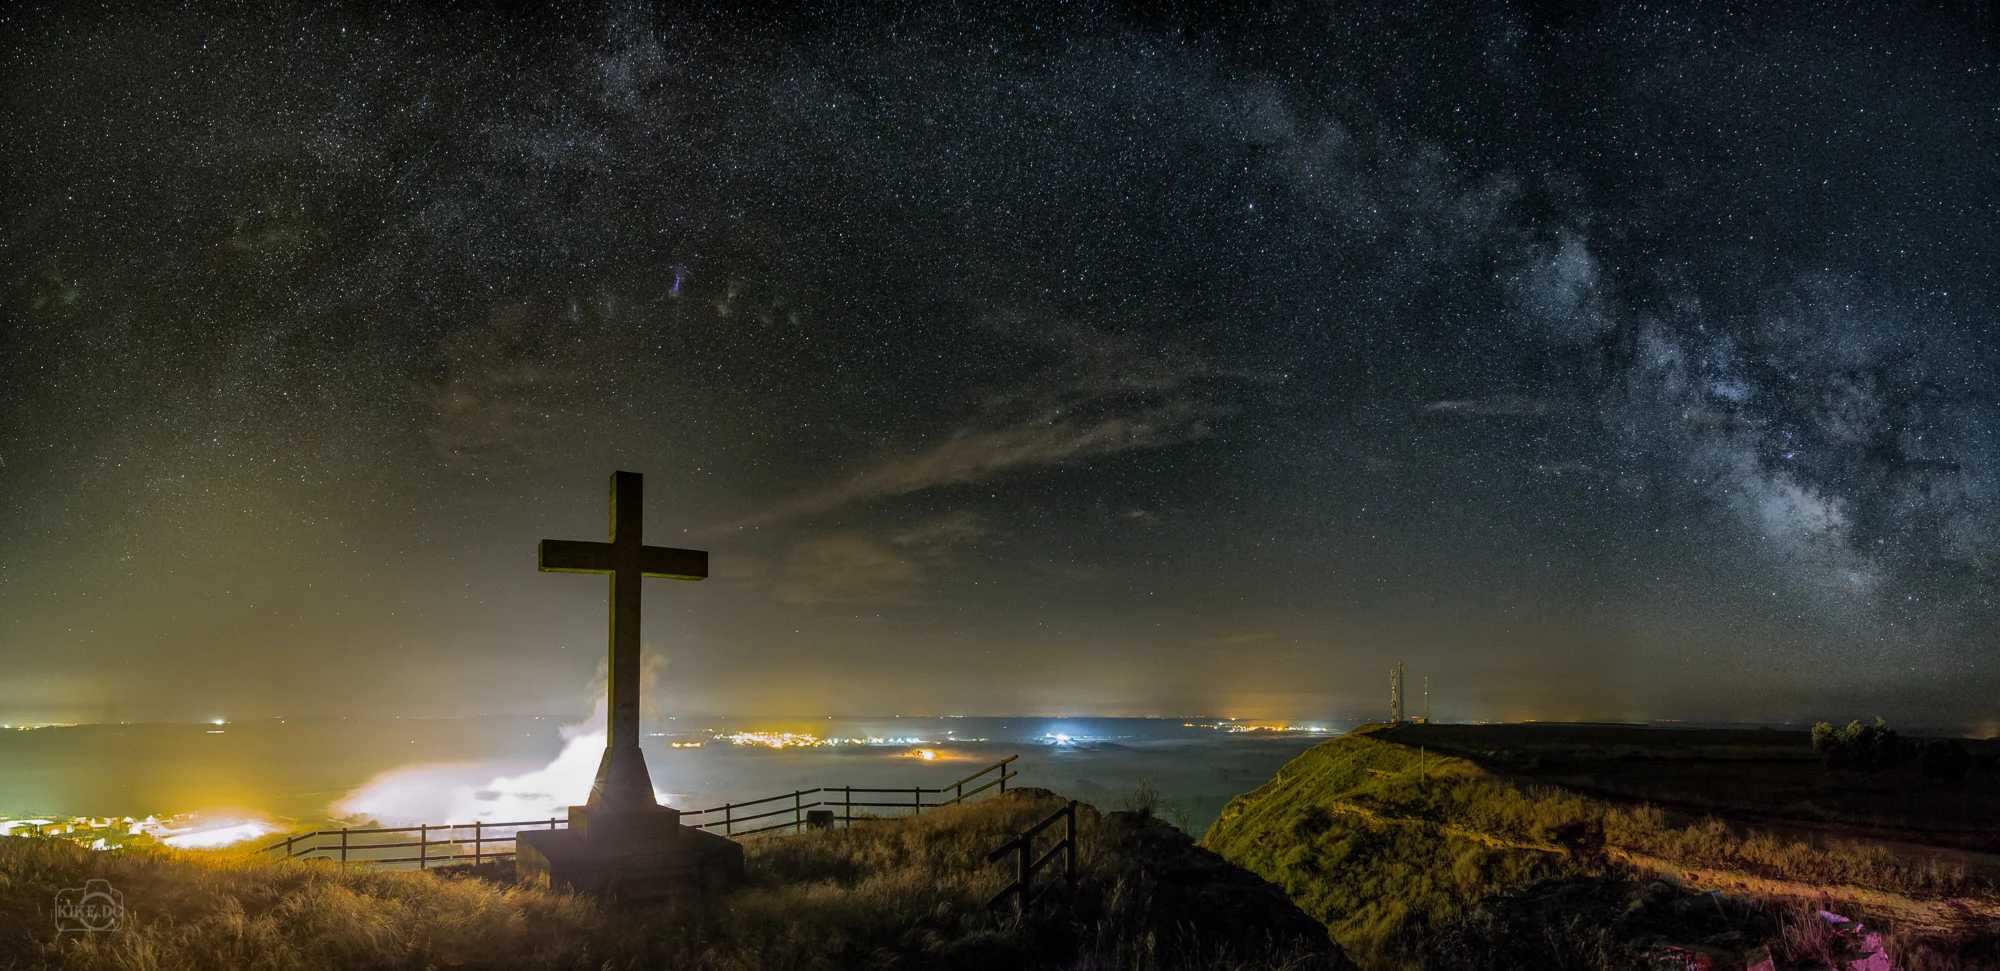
column 1143, row 798
column 1946, row 760
column 1858, row 746
column 1889, row 751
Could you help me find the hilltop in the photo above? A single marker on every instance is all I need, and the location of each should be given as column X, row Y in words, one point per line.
column 1478, row 846
column 904, row 893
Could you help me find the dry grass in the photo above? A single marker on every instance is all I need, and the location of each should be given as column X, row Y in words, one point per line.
column 190, row 910
column 1711, row 842
column 888, row 894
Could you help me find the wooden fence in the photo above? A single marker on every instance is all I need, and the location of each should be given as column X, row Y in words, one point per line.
column 1027, row 864
column 459, row 843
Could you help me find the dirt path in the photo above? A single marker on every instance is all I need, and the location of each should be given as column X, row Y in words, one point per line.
column 1941, row 915
column 1487, row 839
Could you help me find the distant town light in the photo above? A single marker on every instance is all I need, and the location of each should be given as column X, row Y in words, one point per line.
column 219, row 835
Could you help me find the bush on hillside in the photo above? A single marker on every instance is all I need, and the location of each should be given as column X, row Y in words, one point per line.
column 1858, row 746
column 1946, row 760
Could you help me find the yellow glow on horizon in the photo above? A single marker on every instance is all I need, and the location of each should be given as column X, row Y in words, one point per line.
column 217, row 836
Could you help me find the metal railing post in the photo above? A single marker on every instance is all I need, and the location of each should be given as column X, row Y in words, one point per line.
column 726, row 824
column 424, row 846
column 478, row 844
column 798, row 811
column 343, row 844
column 847, row 794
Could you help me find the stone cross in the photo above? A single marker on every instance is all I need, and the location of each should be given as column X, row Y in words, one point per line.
column 622, row 781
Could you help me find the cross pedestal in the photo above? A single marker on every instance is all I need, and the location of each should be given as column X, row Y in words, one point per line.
column 622, row 841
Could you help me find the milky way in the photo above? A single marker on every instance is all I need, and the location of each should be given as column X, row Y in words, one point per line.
column 1629, row 365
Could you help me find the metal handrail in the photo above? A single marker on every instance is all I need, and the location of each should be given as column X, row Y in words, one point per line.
column 347, row 847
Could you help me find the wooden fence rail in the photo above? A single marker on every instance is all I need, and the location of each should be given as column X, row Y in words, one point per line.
column 1027, row 864
column 358, row 845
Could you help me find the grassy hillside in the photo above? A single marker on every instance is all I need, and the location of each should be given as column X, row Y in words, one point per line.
column 1395, row 849
column 890, row 894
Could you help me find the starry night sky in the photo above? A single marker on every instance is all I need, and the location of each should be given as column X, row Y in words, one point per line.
column 1632, row 364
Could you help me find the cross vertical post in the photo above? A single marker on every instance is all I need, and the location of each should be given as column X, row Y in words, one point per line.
column 627, row 530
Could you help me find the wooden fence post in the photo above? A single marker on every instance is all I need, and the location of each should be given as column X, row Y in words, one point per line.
column 798, row 811
column 478, row 844
column 1027, row 877
column 343, row 844
column 1069, row 855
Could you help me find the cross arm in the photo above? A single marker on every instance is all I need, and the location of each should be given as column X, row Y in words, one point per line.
column 573, row 556
column 673, row 564
column 581, row 556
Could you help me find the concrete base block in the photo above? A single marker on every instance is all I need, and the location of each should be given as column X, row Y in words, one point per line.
column 644, row 855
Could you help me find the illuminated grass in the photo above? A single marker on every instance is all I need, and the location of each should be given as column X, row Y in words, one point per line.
column 1386, row 845
column 906, row 893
